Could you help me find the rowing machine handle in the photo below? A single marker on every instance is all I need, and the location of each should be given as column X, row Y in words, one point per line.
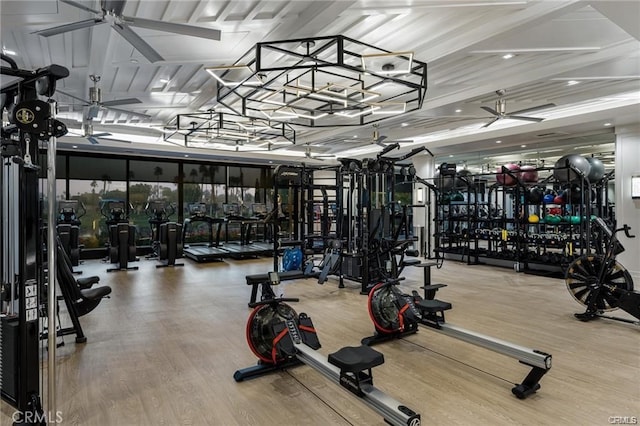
column 626, row 228
column 274, row 301
column 393, row 281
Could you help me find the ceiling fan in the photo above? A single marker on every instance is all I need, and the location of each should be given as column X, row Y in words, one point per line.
column 95, row 104
column 89, row 135
column 111, row 12
column 376, row 139
column 500, row 111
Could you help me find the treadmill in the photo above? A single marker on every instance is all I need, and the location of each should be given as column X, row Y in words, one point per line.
column 245, row 247
column 209, row 251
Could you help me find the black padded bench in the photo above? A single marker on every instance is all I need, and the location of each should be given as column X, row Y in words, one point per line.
column 262, row 279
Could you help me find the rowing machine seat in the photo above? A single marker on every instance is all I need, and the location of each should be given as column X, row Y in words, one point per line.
column 355, row 359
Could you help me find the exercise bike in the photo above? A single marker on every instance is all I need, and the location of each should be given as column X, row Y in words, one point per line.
column 600, row 283
column 122, row 236
column 167, row 235
column 68, row 227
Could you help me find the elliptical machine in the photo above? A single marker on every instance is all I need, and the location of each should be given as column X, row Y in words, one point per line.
column 68, row 227
column 122, row 236
column 166, row 235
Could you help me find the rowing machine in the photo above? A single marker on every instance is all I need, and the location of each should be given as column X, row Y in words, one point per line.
column 281, row 338
column 396, row 315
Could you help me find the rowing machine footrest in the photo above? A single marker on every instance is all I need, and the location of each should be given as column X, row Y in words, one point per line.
column 356, row 359
column 308, row 332
column 410, row 262
column 433, row 286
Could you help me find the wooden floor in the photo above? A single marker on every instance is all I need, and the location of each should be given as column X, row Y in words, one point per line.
column 163, row 350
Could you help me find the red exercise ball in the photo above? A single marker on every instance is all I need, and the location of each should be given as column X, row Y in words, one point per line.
column 528, row 174
column 558, row 200
column 505, row 179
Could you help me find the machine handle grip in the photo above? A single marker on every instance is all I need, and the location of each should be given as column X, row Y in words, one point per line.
column 626, row 228
column 274, row 301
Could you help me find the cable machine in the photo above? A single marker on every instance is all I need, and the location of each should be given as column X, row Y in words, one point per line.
column 31, row 120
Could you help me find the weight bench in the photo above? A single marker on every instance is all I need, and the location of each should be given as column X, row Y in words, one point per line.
column 262, row 281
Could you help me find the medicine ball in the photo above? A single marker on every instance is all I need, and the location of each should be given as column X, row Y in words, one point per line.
column 505, row 179
column 528, row 174
column 548, row 198
column 558, row 199
column 555, row 211
column 553, row 219
column 534, row 218
column 597, row 170
column 457, row 196
column 574, row 220
column 563, row 173
column 534, row 195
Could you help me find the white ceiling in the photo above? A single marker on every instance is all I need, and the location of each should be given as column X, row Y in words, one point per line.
column 595, row 43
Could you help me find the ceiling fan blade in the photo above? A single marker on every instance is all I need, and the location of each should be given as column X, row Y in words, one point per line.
column 73, row 97
column 124, row 111
column 490, row 110
column 87, row 23
column 189, row 30
column 93, row 140
column 127, row 101
column 138, row 43
column 491, row 122
column 532, row 109
column 92, row 112
column 79, row 6
column 522, row 117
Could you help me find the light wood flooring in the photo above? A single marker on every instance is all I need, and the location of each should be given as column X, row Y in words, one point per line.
column 163, row 350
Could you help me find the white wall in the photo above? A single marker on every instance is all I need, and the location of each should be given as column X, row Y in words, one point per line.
column 628, row 210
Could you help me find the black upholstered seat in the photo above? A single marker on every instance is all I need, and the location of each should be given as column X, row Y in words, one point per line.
column 355, row 359
column 433, row 306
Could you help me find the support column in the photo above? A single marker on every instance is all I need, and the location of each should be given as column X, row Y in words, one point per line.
column 423, row 217
column 628, row 209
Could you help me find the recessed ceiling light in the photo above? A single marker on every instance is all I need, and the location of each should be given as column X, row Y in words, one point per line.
column 164, row 80
column 450, row 155
column 458, row 110
column 133, row 60
column 607, row 124
column 75, row 147
column 572, row 82
column 355, row 136
column 523, row 146
column 404, row 124
column 508, row 56
column 186, row 155
column 498, row 141
column 270, row 162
